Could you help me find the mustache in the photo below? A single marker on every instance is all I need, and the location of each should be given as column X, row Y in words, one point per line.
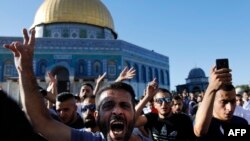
column 117, row 118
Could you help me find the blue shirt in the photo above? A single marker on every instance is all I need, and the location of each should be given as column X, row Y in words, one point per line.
column 83, row 135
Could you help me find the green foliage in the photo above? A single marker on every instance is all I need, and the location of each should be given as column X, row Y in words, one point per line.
column 243, row 87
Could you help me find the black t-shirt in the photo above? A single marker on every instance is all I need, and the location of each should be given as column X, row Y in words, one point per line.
column 178, row 127
column 218, row 130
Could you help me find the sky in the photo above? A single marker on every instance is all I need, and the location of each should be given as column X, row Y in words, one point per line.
column 192, row 33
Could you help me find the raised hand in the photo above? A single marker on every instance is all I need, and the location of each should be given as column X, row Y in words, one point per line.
column 101, row 78
column 220, row 77
column 23, row 52
column 126, row 74
column 98, row 81
column 151, row 89
column 52, row 84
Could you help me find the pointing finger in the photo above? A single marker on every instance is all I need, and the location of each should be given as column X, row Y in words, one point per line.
column 12, row 48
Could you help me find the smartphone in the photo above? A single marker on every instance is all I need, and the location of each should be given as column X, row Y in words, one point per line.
column 222, row 63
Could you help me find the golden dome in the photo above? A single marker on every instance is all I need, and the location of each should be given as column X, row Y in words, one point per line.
column 92, row 12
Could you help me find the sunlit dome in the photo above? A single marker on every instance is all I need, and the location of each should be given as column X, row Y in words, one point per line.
column 92, row 12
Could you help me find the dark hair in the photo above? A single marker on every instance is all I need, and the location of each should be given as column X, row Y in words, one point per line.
column 239, row 95
column 87, row 84
column 116, row 86
column 227, row 87
column 163, row 90
column 176, row 97
column 61, row 97
column 246, row 91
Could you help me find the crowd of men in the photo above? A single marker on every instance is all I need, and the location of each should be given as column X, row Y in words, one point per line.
column 112, row 113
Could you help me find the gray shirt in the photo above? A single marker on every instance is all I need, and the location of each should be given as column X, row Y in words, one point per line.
column 83, row 135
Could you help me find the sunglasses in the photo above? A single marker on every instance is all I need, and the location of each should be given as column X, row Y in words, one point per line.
column 90, row 107
column 164, row 99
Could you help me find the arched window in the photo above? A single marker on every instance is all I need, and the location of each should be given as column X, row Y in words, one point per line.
column 136, row 78
column 42, row 65
column 62, row 75
column 167, row 78
column 81, row 68
column 143, row 74
column 156, row 74
column 150, row 74
column 162, row 77
column 111, row 68
column 97, row 68
column 47, row 33
column 126, row 64
column 83, row 33
column 65, row 33
column 9, row 69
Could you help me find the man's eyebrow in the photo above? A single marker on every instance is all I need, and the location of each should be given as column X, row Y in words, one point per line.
column 125, row 102
column 105, row 100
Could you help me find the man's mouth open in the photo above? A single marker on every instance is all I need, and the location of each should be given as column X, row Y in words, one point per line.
column 117, row 128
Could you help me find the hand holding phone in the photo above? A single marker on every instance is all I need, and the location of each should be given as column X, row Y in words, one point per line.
column 222, row 63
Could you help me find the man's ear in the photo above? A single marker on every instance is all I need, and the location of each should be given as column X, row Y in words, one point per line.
column 75, row 108
column 96, row 114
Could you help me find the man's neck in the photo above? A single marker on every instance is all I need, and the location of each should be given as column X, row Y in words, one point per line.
column 135, row 138
column 165, row 115
column 73, row 120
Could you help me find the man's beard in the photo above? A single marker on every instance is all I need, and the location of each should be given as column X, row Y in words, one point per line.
column 105, row 127
column 90, row 122
column 70, row 121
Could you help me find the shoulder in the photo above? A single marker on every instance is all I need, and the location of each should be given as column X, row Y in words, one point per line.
column 152, row 119
column 182, row 119
column 82, row 134
column 151, row 115
column 239, row 121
